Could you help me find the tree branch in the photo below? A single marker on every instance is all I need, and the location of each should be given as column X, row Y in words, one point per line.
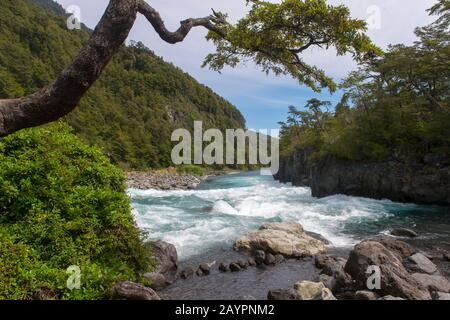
column 64, row 94
column 211, row 23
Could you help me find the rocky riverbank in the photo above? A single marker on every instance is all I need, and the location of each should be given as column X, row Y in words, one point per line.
column 166, row 180
column 423, row 180
column 286, row 263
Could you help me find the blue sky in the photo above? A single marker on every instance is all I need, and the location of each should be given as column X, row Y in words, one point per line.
column 262, row 99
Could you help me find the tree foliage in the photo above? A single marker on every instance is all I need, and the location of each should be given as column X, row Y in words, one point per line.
column 275, row 34
column 395, row 105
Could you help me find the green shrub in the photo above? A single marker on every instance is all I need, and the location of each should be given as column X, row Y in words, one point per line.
column 62, row 203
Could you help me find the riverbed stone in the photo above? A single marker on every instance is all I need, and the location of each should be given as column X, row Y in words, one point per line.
column 166, row 257
column 421, row 264
column 433, row 282
column 441, row 295
column 187, row 273
column 260, row 257
column 206, row 268
column 287, row 239
column 127, row 290
column 391, row 298
column 400, row 248
column 307, row 290
column 243, row 264
column 366, row 295
column 279, row 259
column 403, row 232
column 395, row 280
column 270, row 259
column 282, row 295
column 251, row 262
column 234, row 267
column 223, row 267
column 156, row 281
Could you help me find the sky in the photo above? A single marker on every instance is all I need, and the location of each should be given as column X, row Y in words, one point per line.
column 263, row 99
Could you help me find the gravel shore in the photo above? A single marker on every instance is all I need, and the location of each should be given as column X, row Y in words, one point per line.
column 166, row 181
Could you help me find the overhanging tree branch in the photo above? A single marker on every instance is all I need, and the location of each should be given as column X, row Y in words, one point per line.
column 63, row 95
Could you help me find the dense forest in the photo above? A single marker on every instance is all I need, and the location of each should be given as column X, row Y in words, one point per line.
column 394, row 106
column 131, row 111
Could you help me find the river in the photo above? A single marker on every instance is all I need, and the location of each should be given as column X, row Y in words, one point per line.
column 204, row 223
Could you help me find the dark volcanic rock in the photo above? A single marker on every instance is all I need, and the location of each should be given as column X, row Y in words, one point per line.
column 270, row 259
column 260, row 257
column 243, row 264
column 187, row 273
column 223, row 267
column 126, row 290
column 206, row 268
column 282, row 294
column 234, row 267
column 279, row 259
column 395, row 280
column 366, row 295
column 401, row 232
column 401, row 180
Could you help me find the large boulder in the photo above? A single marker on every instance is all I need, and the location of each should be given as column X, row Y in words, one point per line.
column 307, row 290
column 166, row 258
column 400, row 248
column 433, row 283
column 287, row 239
column 395, row 280
column 333, row 274
column 127, row 290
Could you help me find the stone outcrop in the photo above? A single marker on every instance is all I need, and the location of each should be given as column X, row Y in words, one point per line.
column 287, row 239
column 166, row 258
column 395, row 279
column 425, row 180
column 127, row 290
column 433, row 282
column 307, row 290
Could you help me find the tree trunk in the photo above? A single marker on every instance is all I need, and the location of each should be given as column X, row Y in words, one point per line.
column 64, row 94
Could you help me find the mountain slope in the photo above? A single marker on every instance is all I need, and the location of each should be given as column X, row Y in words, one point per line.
column 133, row 108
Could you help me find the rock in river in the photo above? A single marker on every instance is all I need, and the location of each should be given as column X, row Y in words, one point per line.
column 287, row 239
column 166, row 258
column 127, row 290
column 307, row 290
column 433, row 283
column 395, row 280
column 401, row 232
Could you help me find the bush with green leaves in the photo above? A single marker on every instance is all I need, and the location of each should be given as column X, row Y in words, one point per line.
column 63, row 203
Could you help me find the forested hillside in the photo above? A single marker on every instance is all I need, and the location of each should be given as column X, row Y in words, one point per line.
column 133, row 108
